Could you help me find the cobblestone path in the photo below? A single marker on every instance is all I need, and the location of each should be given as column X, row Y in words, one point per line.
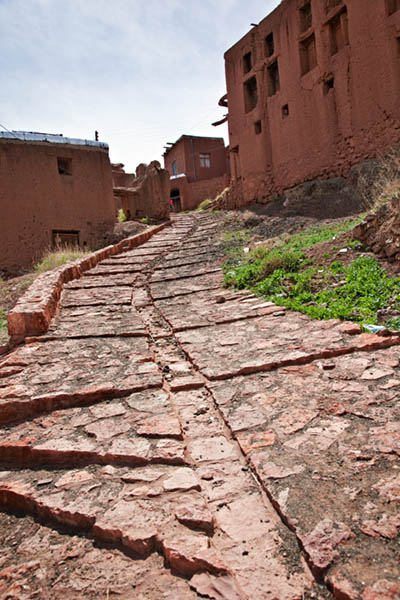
column 169, row 439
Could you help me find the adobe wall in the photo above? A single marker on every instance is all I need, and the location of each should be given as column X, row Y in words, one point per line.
column 143, row 194
column 36, row 199
column 321, row 120
column 192, row 194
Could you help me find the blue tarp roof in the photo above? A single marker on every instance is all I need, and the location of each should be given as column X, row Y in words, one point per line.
column 28, row 136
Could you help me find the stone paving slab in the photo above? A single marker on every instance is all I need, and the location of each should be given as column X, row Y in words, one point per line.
column 214, row 307
column 267, row 342
column 40, row 377
column 96, row 296
column 113, row 269
column 140, row 429
column 119, row 513
column 183, row 253
column 309, row 431
column 176, row 261
column 170, row 289
column 96, row 321
column 182, row 272
column 114, row 278
column 38, row 562
column 123, row 259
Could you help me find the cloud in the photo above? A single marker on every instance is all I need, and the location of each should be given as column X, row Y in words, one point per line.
column 140, row 72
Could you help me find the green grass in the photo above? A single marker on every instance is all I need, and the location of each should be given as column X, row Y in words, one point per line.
column 284, row 275
column 3, row 321
column 121, row 218
column 55, row 258
column 145, row 220
column 204, row 205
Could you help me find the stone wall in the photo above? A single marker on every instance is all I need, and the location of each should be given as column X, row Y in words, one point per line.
column 312, row 91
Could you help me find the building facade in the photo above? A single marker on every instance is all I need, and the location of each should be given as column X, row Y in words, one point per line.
column 52, row 190
column 198, row 168
column 312, row 90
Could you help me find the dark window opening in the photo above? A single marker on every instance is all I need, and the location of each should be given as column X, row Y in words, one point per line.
column 61, row 239
column 247, row 64
column 273, row 79
column 173, row 167
column 285, row 111
column 339, row 32
column 305, row 17
column 330, row 4
column 308, row 54
column 329, row 84
column 269, row 45
column 257, row 127
column 250, row 94
column 205, row 160
column 64, row 166
column 392, row 6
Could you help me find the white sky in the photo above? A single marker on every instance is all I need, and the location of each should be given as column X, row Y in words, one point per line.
column 141, row 72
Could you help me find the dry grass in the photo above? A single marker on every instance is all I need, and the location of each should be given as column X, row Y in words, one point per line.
column 54, row 258
column 385, row 185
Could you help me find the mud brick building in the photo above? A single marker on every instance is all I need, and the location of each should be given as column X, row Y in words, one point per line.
column 52, row 189
column 312, row 91
column 198, row 168
column 142, row 194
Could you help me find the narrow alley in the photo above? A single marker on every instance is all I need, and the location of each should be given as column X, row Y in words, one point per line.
column 171, row 439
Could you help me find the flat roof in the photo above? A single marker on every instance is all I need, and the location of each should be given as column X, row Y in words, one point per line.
column 28, row 136
column 192, row 137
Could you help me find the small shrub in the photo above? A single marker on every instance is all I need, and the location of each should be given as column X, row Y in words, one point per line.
column 145, row 220
column 121, row 216
column 205, row 204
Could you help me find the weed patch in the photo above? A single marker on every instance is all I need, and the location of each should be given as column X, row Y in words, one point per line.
column 121, row 218
column 52, row 259
column 284, row 275
column 3, row 321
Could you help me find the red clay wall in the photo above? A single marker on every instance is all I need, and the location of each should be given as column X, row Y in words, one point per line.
column 191, row 194
column 35, row 199
column 200, row 182
column 321, row 122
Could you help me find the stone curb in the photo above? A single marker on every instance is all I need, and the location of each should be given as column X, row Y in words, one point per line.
column 34, row 310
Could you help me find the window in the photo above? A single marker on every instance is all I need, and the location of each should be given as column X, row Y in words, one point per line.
column 305, row 17
column 250, row 94
column 247, row 62
column 64, row 166
column 308, row 54
column 173, row 167
column 285, row 111
column 392, row 6
column 257, row 127
column 273, row 78
column 269, row 45
column 65, row 238
column 205, row 160
column 338, row 31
